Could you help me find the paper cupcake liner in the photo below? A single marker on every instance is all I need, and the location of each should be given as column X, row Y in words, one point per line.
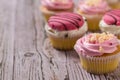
column 99, row 65
column 118, row 36
column 92, row 20
column 93, row 23
column 47, row 16
column 63, row 43
column 115, row 5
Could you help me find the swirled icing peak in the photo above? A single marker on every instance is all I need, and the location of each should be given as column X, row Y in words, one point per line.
column 93, row 6
column 66, row 21
column 112, row 17
column 96, row 44
column 57, row 4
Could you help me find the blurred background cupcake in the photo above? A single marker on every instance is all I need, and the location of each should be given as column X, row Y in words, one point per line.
column 99, row 52
column 64, row 29
column 111, row 22
column 93, row 10
column 51, row 7
column 115, row 4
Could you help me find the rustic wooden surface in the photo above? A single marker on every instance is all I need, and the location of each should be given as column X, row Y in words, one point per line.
column 26, row 53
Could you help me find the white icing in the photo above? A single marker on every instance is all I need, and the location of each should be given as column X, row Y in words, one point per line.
column 109, row 28
column 72, row 33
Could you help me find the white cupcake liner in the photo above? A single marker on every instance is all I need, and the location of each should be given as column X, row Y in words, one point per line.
column 99, row 65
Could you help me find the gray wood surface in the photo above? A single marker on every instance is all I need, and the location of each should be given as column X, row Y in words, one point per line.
column 26, row 52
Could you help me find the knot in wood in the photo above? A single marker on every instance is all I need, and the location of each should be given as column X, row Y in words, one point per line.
column 29, row 54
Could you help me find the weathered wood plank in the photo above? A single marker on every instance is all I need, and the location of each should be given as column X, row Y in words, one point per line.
column 57, row 63
column 7, row 24
column 27, row 64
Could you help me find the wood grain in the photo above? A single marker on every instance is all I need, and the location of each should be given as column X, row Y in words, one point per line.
column 26, row 52
column 7, row 23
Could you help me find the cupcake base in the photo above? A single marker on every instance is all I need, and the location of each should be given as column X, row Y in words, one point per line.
column 63, row 43
column 100, row 65
column 115, row 6
column 93, row 21
column 118, row 36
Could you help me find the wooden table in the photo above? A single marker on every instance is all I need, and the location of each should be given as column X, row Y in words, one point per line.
column 26, row 52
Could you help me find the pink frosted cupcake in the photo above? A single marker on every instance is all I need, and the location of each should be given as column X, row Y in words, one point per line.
column 111, row 22
column 51, row 7
column 99, row 52
column 93, row 10
column 64, row 29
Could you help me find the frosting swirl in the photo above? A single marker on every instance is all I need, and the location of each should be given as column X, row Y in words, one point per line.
column 57, row 4
column 112, row 17
column 97, row 44
column 93, row 6
column 66, row 21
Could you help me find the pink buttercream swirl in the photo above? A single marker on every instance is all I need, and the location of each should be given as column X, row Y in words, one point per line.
column 57, row 4
column 84, row 46
column 93, row 7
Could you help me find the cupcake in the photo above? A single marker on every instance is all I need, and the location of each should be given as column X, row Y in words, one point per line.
column 64, row 29
column 115, row 4
column 99, row 52
column 51, row 7
column 111, row 22
column 93, row 10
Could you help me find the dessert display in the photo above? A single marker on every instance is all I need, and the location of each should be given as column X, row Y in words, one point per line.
column 67, row 30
